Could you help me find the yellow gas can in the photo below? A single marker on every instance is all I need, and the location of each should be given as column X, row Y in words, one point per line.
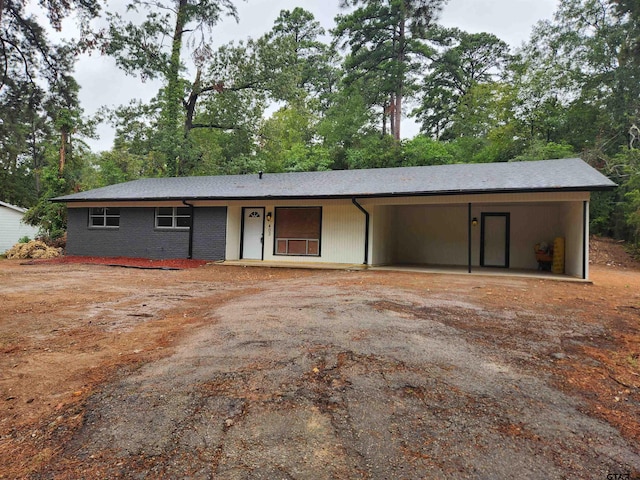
column 558, row 255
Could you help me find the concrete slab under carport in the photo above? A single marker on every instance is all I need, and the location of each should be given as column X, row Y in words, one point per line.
column 482, row 271
column 427, row 269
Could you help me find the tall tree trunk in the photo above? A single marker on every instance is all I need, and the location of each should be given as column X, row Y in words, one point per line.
column 400, row 87
column 36, row 168
column 392, row 115
column 397, row 113
column 173, row 97
column 36, row 157
column 63, row 151
column 190, row 105
column 385, row 109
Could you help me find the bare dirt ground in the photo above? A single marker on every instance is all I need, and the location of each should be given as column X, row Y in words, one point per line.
column 237, row 373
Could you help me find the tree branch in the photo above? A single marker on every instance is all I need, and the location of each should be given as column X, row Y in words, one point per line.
column 159, row 6
column 215, row 125
column 6, row 64
column 39, row 46
column 219, row 87
column 25, row 61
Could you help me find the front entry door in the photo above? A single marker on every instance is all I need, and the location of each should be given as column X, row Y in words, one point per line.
column 252, row 233
column 494, row 240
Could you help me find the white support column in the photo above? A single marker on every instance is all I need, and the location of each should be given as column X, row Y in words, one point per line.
column 586, row 240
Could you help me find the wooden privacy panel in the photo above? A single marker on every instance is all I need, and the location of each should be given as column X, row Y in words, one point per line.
column 298, row 222
column 297, row 230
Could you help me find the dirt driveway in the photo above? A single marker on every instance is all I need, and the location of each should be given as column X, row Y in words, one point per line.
column 242, row 373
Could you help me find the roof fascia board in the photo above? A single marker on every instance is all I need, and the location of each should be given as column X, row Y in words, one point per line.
column 13, row 207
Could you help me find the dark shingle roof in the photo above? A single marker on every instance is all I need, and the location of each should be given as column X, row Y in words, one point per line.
column 571, row 174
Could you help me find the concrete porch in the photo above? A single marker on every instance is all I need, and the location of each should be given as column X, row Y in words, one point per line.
column 428, row 269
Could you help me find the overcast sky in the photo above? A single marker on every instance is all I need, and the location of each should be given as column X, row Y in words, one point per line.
column 103, row 84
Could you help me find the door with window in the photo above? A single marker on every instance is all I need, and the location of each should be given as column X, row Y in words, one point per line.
column 494, row 240
column 252, row 233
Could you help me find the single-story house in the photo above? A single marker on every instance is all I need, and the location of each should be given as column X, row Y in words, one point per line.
column 12, row 228
column 470, row 215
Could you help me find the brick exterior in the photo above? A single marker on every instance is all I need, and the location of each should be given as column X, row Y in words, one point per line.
column 138, row 237
column 209, row 233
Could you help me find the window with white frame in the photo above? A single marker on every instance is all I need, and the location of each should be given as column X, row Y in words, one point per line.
column 104, row 217
column 173, row 217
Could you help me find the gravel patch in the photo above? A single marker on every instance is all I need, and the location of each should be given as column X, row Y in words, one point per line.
column 311, row 380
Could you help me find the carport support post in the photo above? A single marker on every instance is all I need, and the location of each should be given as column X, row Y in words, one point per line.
column 469, row 235
column 585, row 239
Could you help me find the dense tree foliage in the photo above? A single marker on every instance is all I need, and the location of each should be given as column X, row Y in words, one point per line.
column 40, row 115
column 581, row 87
column 460, row 68
column 300, row 98
column 140, row 48
column 385, row 40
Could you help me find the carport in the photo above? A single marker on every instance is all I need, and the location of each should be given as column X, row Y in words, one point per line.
column 480, row 231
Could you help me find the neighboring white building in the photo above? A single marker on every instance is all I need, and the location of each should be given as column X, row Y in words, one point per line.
column 11, row 227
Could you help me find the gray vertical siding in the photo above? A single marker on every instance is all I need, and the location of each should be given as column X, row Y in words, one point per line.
column 138, row 237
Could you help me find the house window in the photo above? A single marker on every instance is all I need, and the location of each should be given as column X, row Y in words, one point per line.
column 173, row 217
column 104, row 217
column 297, row 231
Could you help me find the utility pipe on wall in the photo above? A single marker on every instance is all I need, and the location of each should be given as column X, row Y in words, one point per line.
column 366, row 230
column 190, row 205
column 469, row 238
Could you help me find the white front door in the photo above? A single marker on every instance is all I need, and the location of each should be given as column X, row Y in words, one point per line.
column 252, row 233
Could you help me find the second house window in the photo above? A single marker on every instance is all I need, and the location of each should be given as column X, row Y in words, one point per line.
column 173, row 217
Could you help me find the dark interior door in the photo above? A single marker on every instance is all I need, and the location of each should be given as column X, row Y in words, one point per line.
column 494, row 240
